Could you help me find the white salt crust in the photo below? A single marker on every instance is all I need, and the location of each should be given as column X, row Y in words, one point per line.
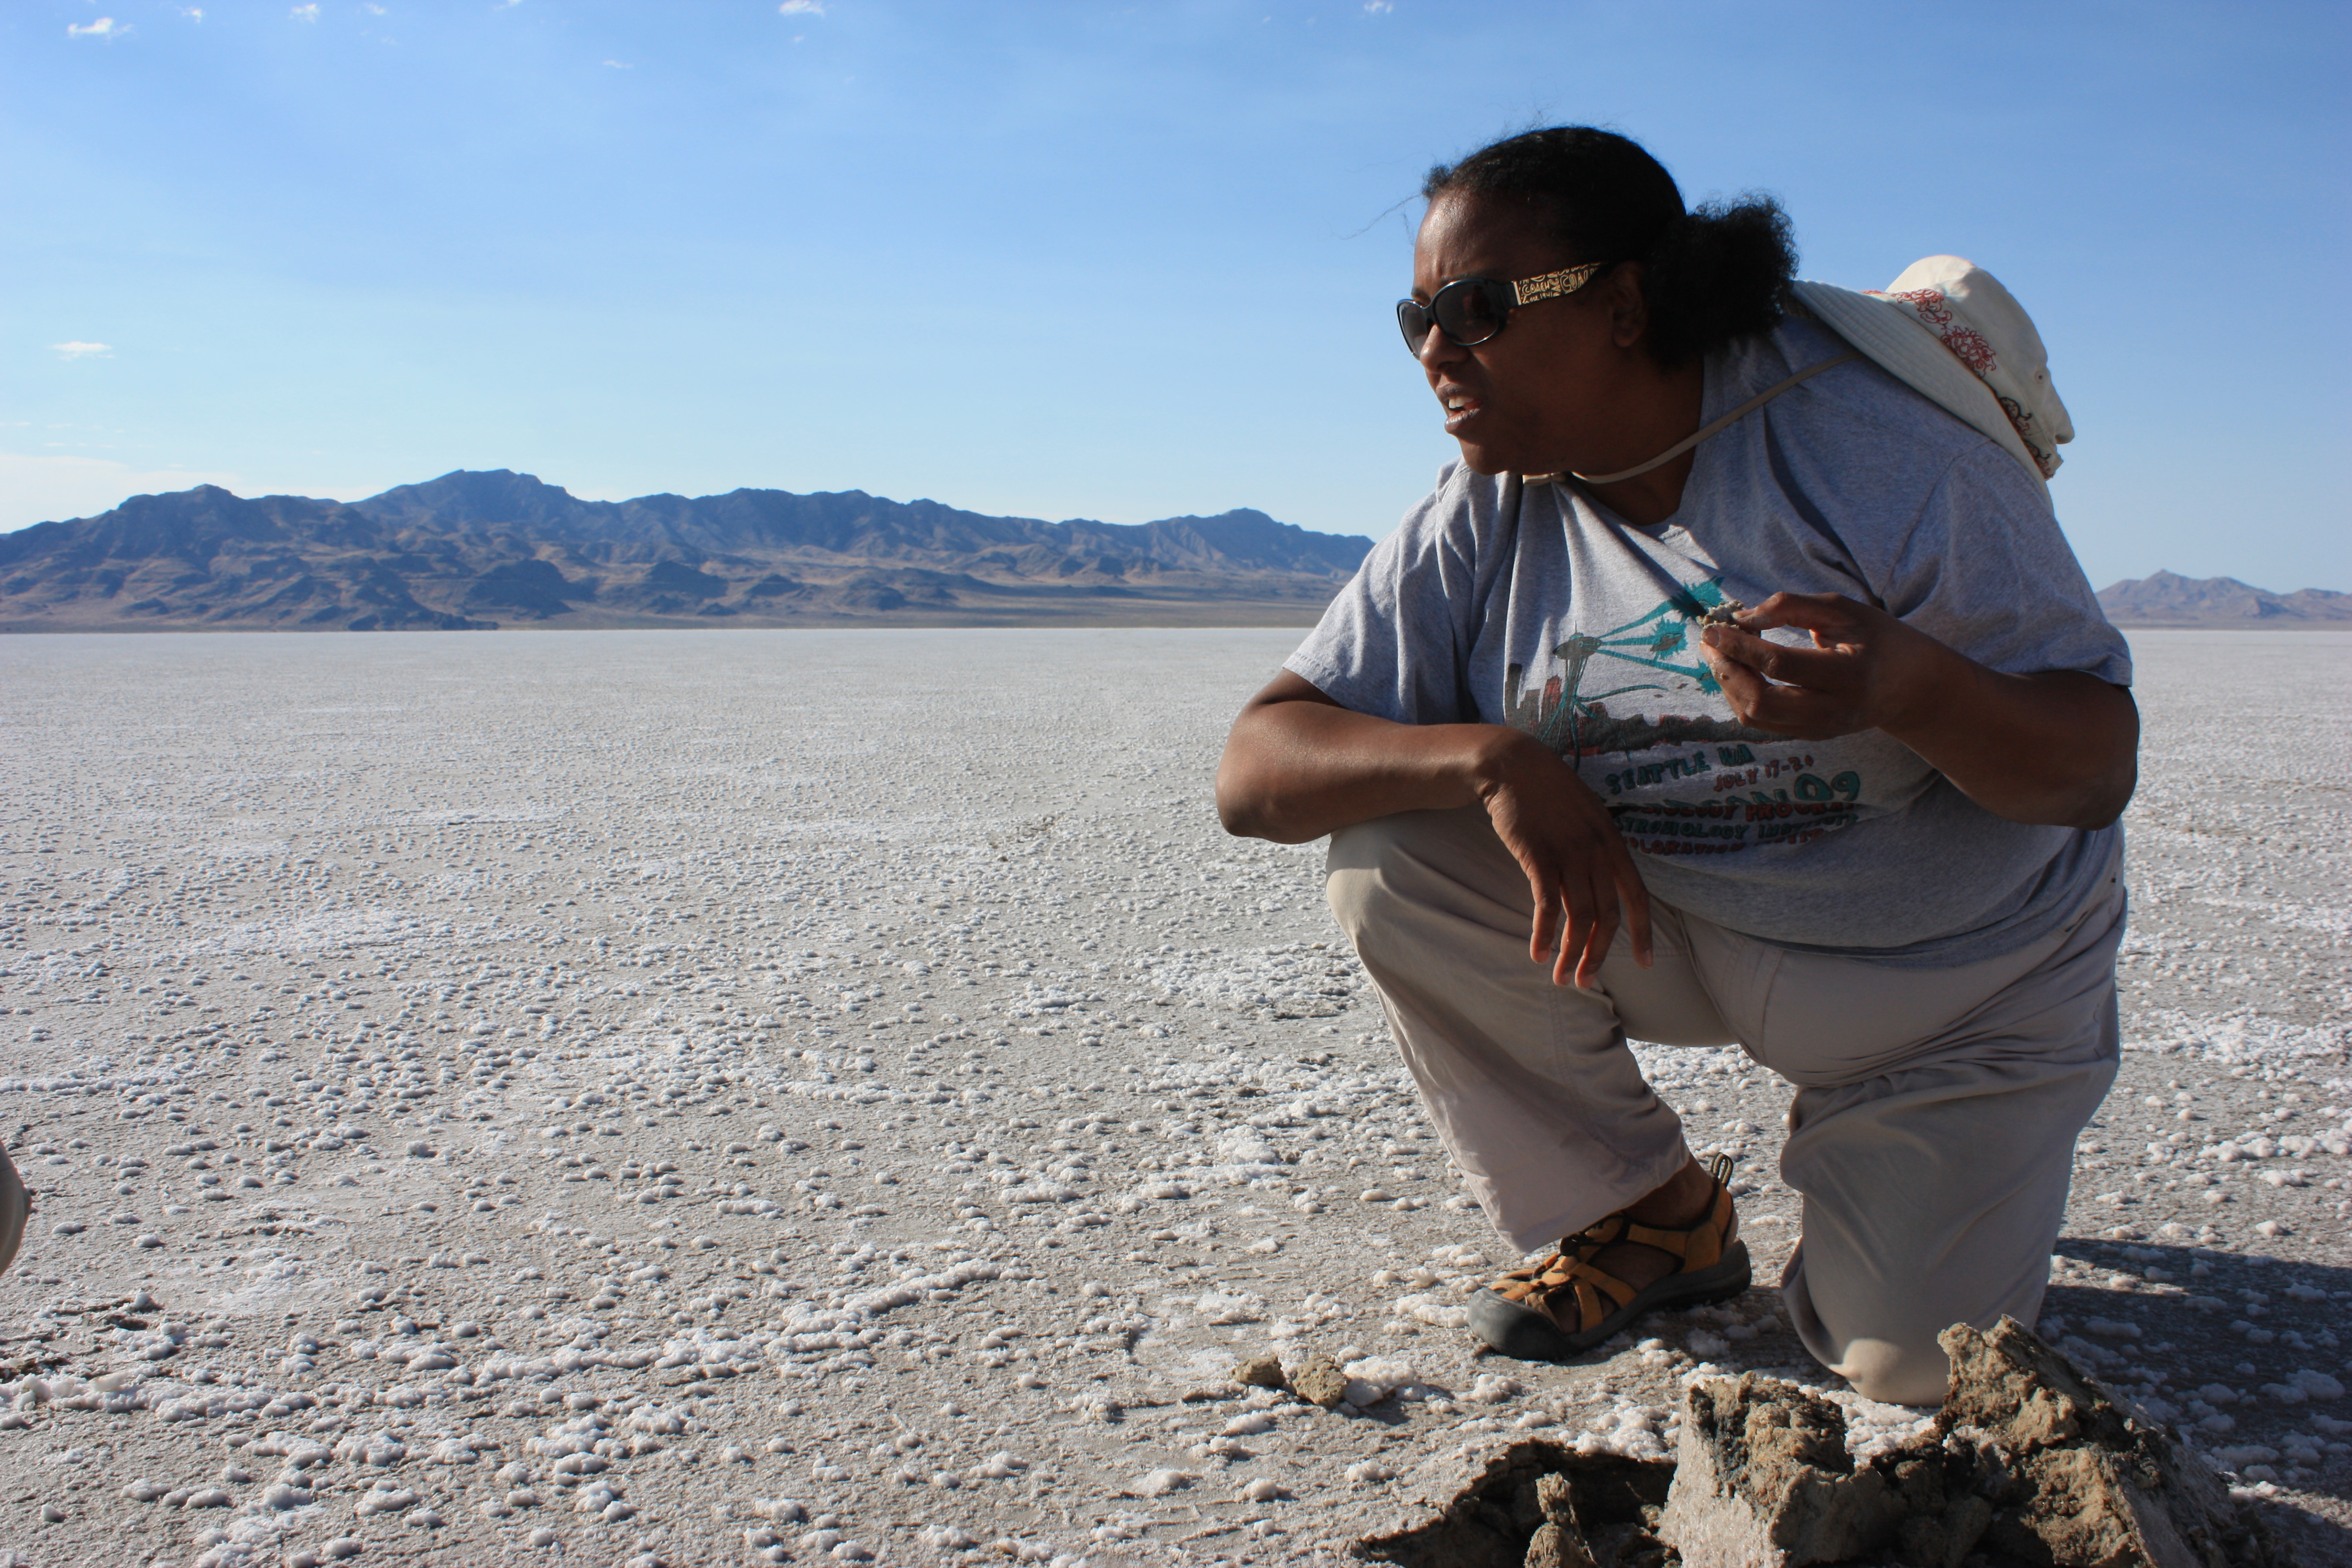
column 681, row 1098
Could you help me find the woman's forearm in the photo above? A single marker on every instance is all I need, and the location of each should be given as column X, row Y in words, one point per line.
column 1296, row 767
column 2060, row 748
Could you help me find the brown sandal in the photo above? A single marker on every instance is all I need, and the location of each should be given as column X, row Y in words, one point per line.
column 1564, row 1306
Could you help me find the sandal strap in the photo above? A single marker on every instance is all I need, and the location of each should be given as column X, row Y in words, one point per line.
column 1595, row 1293
column 1700, row 1245
column 1523, row 1283
column 1570, row 1269
column 1607, row 1231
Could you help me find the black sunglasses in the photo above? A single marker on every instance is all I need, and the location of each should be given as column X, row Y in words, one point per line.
column 1469, row 311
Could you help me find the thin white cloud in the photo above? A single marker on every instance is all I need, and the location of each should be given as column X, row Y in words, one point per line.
column 373, row 10
column 1374, row 8
column 192, row 13
column 621, row 65
column 305, row 13
column 801, row 8
column 106, row 29
column 82, row 351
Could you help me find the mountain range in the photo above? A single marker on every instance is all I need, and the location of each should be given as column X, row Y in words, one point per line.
column 474, row 550
column 2169, row 599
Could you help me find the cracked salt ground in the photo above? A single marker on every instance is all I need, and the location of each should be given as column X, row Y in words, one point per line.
column 610, row 1098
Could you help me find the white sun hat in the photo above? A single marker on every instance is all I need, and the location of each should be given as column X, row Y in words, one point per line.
column 1951, row 332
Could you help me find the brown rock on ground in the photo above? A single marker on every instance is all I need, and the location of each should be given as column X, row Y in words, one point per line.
column 1559, row 1541
column 1762, row 1480
column 2028, row 1465
column 1539, row 1504
column 2088, row 1483
column 1319, row 1381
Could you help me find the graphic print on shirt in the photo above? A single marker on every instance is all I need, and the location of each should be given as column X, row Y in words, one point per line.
column 1731, row 813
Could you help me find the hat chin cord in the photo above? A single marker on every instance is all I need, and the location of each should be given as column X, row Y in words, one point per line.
column 1695, row 436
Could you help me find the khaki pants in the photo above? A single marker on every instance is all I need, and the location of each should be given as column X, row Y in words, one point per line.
column 1931, row 1135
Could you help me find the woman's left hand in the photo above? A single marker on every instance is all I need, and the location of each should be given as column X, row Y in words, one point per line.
column 2055, row 746
column 1866, row 670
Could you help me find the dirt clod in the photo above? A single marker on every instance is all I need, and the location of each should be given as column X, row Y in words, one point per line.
column 1763, row 1479
column 1559, row 1541
column 1543, row 1505
column 1263, row 1371
column 2085, row 1483
column 2028, row 1465
column 1558, row 1546
column 1319, row 1381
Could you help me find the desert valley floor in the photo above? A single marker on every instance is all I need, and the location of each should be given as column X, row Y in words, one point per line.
column 748, row 1097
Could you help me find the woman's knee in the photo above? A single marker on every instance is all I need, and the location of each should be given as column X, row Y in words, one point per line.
column 1913, row 1370
column 1352, row 866
column 1412, row 859
column 1890, row 1354
column 1878, row 1328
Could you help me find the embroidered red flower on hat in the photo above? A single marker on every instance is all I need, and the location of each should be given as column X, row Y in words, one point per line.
column 1928, row 303
column 2022, row 422
column 1978, row 324
column 1934, row 312
column 1969, row 347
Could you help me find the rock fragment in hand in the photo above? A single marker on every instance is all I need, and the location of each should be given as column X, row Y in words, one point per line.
column 1319, row 1381
column 1722, row 614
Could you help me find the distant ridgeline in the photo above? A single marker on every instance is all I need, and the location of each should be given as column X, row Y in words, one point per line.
column 2167, row 599
column 469, row 551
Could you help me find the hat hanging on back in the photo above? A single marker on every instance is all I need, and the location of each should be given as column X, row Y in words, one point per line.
column 1948, row 329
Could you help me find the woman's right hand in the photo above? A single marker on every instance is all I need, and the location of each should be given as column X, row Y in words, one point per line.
column 1297, row 766
column 1582, row 877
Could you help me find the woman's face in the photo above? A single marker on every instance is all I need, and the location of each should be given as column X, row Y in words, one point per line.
column 1539, row 396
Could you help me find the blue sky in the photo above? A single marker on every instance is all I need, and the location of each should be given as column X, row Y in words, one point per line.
column 1110, row 261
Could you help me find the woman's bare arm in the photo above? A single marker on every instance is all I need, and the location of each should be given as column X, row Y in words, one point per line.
column 1297, row 766
column 2060, row 747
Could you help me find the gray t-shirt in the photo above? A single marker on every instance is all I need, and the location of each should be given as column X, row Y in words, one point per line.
column 1536, row 606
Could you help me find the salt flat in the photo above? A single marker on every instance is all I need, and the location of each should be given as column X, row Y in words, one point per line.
column 746, row 1097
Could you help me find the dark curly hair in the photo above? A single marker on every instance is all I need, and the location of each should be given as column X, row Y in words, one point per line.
column 1709, row 275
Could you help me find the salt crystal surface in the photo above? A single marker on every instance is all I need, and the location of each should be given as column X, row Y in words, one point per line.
column 1159, row 1483
column 805, row 1095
